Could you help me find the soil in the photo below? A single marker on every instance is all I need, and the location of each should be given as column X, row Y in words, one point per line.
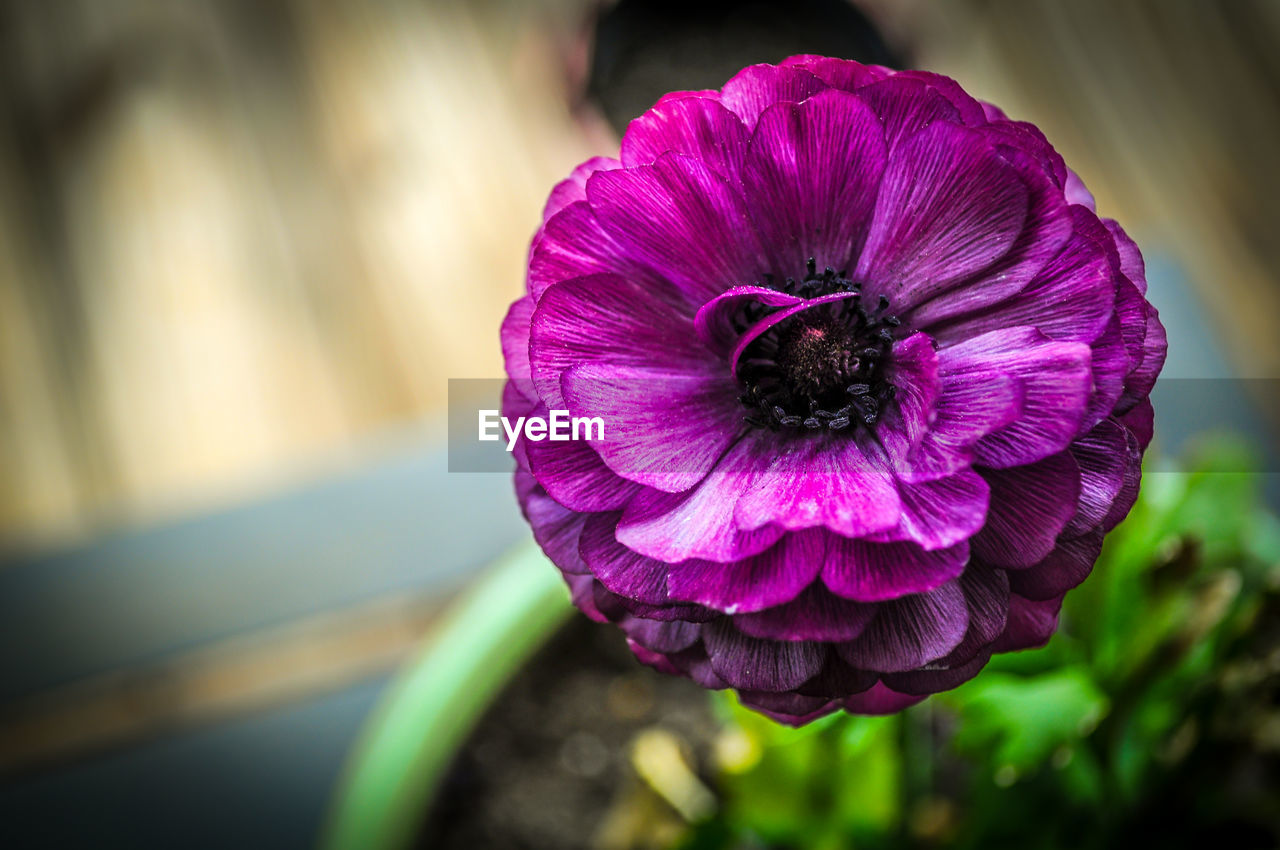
column 551, row 756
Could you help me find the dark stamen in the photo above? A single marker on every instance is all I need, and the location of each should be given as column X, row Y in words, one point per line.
column 824, row 368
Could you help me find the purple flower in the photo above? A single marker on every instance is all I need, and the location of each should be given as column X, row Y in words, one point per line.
column 874, row 379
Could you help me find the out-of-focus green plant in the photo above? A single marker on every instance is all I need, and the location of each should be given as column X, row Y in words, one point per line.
column 1152, row 716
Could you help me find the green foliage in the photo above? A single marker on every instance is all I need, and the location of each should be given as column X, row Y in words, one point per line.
column 1152, row 713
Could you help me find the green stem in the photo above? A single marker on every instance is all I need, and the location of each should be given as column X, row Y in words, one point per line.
column 427, row 713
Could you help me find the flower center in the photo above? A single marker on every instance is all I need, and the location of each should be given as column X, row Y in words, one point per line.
column 822, row 368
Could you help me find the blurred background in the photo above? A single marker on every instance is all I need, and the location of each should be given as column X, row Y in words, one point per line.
column 244, row 245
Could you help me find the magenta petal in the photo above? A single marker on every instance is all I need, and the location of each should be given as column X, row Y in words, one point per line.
column 907, row 422
column 1131, row 263
column 777, row 317
column 759, row 665
column 1047, row 227
column 906, row 107
column 682, row 220
column 574, row 188
column 941, row 513
column 757, row 87
column 699, row 523
column 823, row 481
column 662, row 430
column 843, row 74
column 1077, row 193
column 698, row 127
column 874, row 572
column 608, row 319
column 773, row 577
column 813, row 615
column 714, row 322
column 970, row 109
column 656, row 660
column 575, row 476
column 573, row 244
column 909, row 632
column 812, row 172
column 1030, row 505
column 971, row 404
column 515, row 346
column 948, row 208
column 881, row 699
column 1071, row 298
column 1031, row 624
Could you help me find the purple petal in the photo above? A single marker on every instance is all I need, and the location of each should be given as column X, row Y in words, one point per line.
column 662, row 637
column 948, row 208
column 881, row 699
column 843, row 74
column 574, row 188
column 515, row 346
column 986, row 593
column 971, row 404
column 873, row 572
column 1031, row 624
column 1142, row 379
column 838, row 679
column 815, row 614
column 1070, row 299
column 1077, row 193
column 906, row 107
column 757, row 87
column 793, row 707
column 914, row 374
column 656, row 660
column 573, row 244
column 773, row 577
column 971, row 111
column 812, row 172
column 1055, row 378
column 620, row 570
column 941, row 513
column 699, row 523
column 695, row 126
column 661, row 429
column 582, row 594
column 681, row 219
column 1131, row 262
column 714, row 322
column 556, row 529
column 822, row 481
column 1046, row 228
column 759, row 665
column 1030, row 505
column 909, row 632
column 1103, row 458
column 931, row 680
column 769, row 321
column 604, row 318
column 576, row 477
column 1069, row 563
